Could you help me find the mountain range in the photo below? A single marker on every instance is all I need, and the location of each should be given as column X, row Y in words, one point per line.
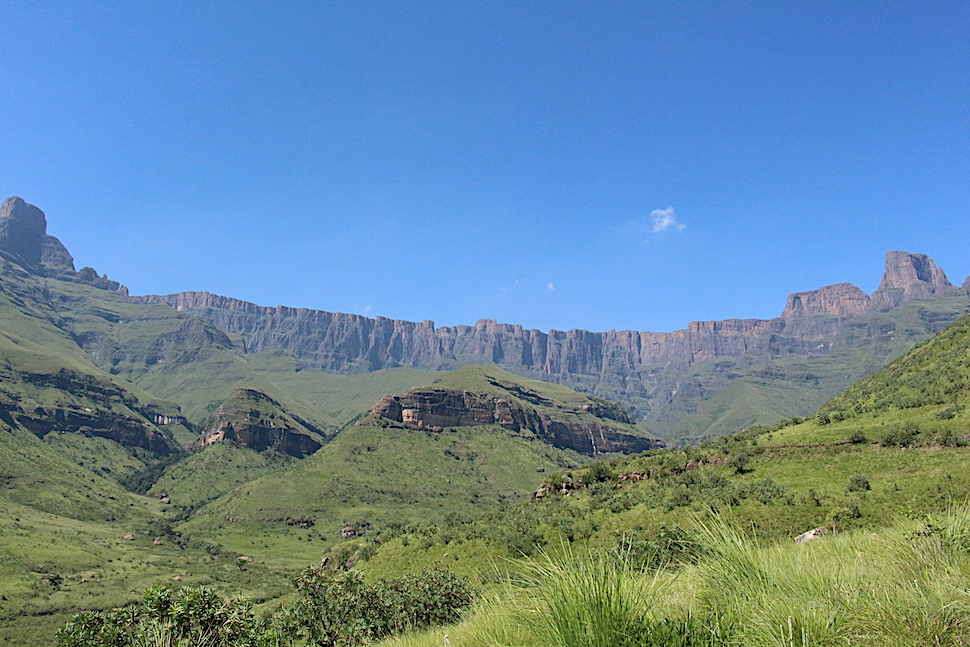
column 712, row 378
column 201, row 438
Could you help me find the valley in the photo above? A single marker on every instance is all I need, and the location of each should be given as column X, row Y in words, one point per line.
column 193, row 439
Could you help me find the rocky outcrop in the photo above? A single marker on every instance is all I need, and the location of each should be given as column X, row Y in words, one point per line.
column 251, row 418
column 23, row 232
column 585, row 430
column 81, row 404
column 90, row 276
column 436, row 408
column 841, row 300
column 908, row 277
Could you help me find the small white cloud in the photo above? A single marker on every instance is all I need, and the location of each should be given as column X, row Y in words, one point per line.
column 368, row 308
column 664, row 219
column 551, row 286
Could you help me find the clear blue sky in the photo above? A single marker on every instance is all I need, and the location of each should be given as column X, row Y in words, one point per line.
column 509, row 160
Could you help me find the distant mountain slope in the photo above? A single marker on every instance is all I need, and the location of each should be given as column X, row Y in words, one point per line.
column 48, row 383
column 823, row 340
column 934, row 374
column 709, row 379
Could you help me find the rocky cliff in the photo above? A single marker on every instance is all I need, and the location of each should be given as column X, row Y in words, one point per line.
column 642, row 369
column 909, row 277
column 23, row 234
column 352, row 343
column 841, row 300
column 23, row 231
column 67, row 401
column 251, row 418
column 565, row 420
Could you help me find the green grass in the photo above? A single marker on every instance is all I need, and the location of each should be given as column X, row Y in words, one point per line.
column 904, row 585
column 98, row 568
column 215, row 470
column 380, row 475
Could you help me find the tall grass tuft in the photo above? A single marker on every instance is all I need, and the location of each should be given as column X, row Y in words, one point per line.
column 590, row 601
column 902, row 586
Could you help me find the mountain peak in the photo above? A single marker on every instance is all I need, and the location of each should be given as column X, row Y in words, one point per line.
column 842, row 299
column 908, row 276
column 23, row 231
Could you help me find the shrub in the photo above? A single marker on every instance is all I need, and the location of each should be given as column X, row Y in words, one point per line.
column 740, row 462
column 194, row 616
column 901, row 436
column 858, row 483
column 949, row 438
column 341, row 609
column 858, row 438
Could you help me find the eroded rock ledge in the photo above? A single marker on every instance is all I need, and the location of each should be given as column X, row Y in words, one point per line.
column 436, row 408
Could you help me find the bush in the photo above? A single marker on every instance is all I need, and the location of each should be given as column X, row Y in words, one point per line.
column 858, row 438
column 341, row 609
column 600, row 473
column 195, row 616
column 858, row 483
column 901, row 436
column 740, row 462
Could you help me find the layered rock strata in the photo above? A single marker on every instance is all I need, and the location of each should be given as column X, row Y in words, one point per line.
column 251, row 418
column 85, row 405
column 436, row 408
column 350, row 343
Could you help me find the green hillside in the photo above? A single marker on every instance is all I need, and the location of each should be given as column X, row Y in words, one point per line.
column 139, row 444
column 370, row 477
column 884, row 469
column 724, row 396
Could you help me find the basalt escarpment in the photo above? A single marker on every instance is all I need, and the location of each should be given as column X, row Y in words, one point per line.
column 645, row 370
column 909, row 277
column 841, row 300
column 589, row 430
column 251, row 418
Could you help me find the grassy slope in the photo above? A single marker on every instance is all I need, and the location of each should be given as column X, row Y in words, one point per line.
column 904, row 586
column 763, row 389
column 62, row 512
column 381, row 475
column 213, row 471
column 810, row 467
column 344, row 397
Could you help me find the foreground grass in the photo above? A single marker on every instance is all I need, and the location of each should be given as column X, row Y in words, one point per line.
column 905, row 585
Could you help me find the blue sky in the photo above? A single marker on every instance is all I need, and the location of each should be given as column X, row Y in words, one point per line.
column 597, row 165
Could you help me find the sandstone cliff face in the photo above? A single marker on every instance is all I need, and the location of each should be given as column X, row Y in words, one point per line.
column 255, row 420
column 435, row 408
column 83, row 405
